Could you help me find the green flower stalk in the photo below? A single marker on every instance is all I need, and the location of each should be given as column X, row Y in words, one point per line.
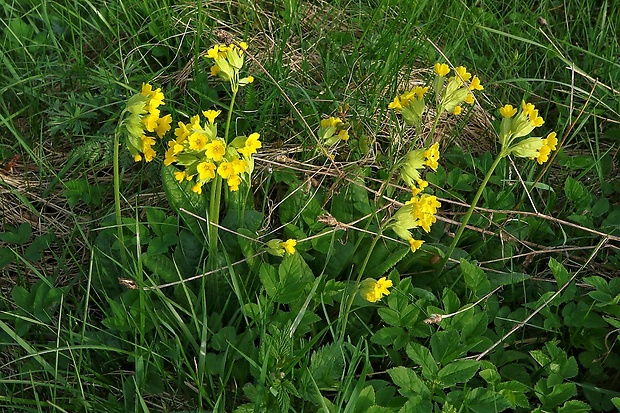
column 510, row 130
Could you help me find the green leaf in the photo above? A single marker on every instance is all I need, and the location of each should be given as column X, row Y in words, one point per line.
column 423, row 358
column 6, row 257
column 387, row 335
column 161, row 266
column 508, row 279
column 17, row 236
column 559, row 272
column 383, row 259
column 34, row 252
column 475, row 279
column 408, row 382
column 482, row 400
column 417, row 404
column 389, row 315
column 269, row 278
column 459, row 371
column 514, row 392
column 180, row 195
column 446, row 346
column 574, row 406
column 616, row 402
column 574, row 191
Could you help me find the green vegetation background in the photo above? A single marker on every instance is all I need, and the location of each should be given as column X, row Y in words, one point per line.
column 73, row 339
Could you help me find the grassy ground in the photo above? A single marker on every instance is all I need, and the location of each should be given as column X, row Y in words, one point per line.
column 277, row 334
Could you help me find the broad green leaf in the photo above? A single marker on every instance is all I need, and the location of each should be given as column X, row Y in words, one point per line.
column 482, row 400
column 559, row 272
column 475, row 279
column 365, row 401
column 408, row 382
column 459, row 371
column 515, row 392
column 180, row 195
column 161, row 266
column 423, row 358
column 17, row 236
column 383, row 259
column 417, row 404
column 446, row 346
column 574, row 406
column 6, row 257
column 508, row 279
column 387, row 335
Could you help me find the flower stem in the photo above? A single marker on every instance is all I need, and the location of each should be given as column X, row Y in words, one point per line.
column 469, row 212
column 117, row 198
column 216, row 194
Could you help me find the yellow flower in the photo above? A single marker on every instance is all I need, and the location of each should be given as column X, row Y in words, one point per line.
column 289, row 246
column 206, row 171
column 182, row 132
column 432, row 157
column 150, row 120
column 475, row 84
column 421, row 184
column 457, row 110
column 226, row 170
column 396, row 105
column 197, row 188
column 211, row 115
column 331, row 121
column 215, row 150
column 239, row 166
column 463, row 73
column 180, row 175
column 419, row 91
column 372, row 290
column 233, row 183
column 197, row 141
column 441, row 69
column 507, row 111
column 551, row 141
column 170, row 158
column 415, row 244
column 163, row 125
column 470, row 99
column 344, row 135
column 252, row 144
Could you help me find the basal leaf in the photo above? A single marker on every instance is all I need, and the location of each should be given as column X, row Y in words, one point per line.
column 459, row 371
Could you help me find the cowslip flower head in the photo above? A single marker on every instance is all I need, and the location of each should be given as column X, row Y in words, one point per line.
column 415, row 244
column 227, row 63
column 536, row 148
column 514, row 127
column 332, row 130
column 459, row 89
column 203, row 156
column 278, row 247
column 373, row 290
column 410, row 105
column 143, row 117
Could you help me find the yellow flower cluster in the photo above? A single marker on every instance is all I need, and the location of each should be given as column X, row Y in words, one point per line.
column 202, row 154
column 144, row 117
column 419, row 211
column 459, row 89
column 373, row 290
column 332, row 130
column 416, row 160
column 278, row 247
column 514, row 127
column 410, row 105
column 227, row 62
